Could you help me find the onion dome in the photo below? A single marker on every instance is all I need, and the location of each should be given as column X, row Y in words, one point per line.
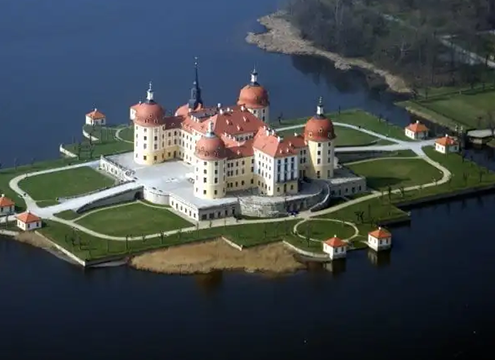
column 253, row 95
column 210, row 146
column 319, row 127
column 149, row 113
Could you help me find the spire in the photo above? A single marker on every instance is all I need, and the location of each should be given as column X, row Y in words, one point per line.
column 320, row 112
column 149, row 96
column 195, row 98
column 254, row 77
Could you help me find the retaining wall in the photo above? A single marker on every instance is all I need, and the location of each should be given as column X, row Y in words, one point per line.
column 266, row 209
column 451, row 195
column 66, row 152
column 89, row 137
column 123, row 197
column 306, row 253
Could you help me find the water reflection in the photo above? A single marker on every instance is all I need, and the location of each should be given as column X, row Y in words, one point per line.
column 209, row 283
column 321, row 70
column 336, row 267
column 379, row 259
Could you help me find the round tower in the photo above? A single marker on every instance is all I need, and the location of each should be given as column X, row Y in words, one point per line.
column 319, row 135
column 210, row 166
column 255, row 98
column 149, row 123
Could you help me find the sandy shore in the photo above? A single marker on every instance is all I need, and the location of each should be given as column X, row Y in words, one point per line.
column 218, row 255
column 284, row 38
column 34, row 239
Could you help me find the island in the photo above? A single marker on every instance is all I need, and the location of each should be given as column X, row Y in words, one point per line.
column 228, row 187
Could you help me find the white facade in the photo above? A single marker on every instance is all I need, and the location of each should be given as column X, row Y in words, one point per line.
column 335, row 252
column 95, row 117
column 420, row 135
column 7, row 210
column 446, row 149
column 379, row 244
column 29, row 226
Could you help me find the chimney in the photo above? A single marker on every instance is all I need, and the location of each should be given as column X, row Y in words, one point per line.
column 3, row 195
column 279, row 139
column 245, row 119
column 296, row 134
column 290, row 143
column 379, row 227
column 221, row 111
column 243, row 108
column 267, row 132
column 446, row 135
column 219, row 105
column 417, row 121
column 238, row 128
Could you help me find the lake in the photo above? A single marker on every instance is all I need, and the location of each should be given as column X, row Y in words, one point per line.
column 431, row 297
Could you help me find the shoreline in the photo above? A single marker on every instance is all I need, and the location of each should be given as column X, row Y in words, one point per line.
column 281, row 37
column 216, row 255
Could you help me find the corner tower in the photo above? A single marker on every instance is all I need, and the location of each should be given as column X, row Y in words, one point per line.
column 319, row 135
column 210, row 166
column 255, row 98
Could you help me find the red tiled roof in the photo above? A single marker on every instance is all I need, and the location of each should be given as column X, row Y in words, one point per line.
column 417, row 127
column 96, row 115
column 28, row 217
column 5, row 201
column 380, row 233
column 268, row 142
column 446, row 141
column 335, row 242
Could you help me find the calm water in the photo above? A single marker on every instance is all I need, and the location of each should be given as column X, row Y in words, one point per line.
column 432, row 297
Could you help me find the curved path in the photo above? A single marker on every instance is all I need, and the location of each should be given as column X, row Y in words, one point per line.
column 49, row 212
column 117, row 135
column 356, row 230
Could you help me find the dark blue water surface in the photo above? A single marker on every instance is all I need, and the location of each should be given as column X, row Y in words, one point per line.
column 432, row 297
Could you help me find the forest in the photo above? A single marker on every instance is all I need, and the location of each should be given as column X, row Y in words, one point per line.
column 407, row 37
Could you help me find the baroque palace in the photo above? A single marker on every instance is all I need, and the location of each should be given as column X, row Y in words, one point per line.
column 215, row 161
column 232, row 148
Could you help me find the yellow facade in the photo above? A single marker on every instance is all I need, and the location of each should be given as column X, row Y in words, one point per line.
column 209, row 181
column 240, row 174
column 321, row 160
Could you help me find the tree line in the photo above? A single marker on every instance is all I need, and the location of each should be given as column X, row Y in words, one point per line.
column 404, row 36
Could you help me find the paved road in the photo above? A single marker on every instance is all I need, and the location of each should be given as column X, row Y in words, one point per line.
column 75, row 203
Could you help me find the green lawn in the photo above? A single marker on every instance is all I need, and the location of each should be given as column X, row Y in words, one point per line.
column 371, row 122
column 102, row 133
column 417, row 108
column 49, row 187
column 396, row 173
column 67, row 215
column 134, row 219
column 127, row 133
column 9, row 173
column 89, row 247
column 469, row 108
column 374, row 211
column 88, row 151
column 323, row 230
column 465, row 174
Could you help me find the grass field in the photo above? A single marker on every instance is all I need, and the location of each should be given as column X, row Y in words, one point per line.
column 382, row 173
column 8, row 174
column 471, row 109
column 67, row 215
column 371, row 122
column 127, row 133
column 46, row 188
column 465, row 175
column 323, row 230
column 134, row 219
column 89, row 247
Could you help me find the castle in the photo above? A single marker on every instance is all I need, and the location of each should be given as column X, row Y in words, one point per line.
column 233, row 148
column 212, row 162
